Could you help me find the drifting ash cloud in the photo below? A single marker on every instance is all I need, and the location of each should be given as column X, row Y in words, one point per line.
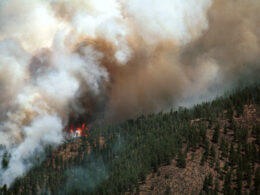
column 63, row 59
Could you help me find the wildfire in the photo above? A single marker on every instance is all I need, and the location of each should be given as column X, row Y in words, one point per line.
column 83, row 130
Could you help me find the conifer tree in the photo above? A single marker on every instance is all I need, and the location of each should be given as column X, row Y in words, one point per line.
column 227, row 184
column 181, row 162
column 206, row 185
column 257, row 181
column 216, row 189
column 215, row 135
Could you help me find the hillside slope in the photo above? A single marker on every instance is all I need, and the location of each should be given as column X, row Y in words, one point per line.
column 210, row 148
column 230, row 150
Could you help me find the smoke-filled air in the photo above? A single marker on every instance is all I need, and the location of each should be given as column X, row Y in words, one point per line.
column 115, row 60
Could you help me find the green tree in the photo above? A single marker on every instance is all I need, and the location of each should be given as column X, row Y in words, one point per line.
column 239, row 180
column 206, row 185
column 215, row 135
column 213, row 152
column 181, row 162
column 232, row 155
column 257, row 181
column 5, row 160
column 216, row 189
column 227, row 184
column 210, row 179
column 225, row 129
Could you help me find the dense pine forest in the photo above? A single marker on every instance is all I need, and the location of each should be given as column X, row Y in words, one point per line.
column 216, row 143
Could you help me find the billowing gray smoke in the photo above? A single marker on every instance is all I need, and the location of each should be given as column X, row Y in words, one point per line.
column 120, row 57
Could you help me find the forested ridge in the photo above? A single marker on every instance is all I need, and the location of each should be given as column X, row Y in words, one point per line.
column 115, row 159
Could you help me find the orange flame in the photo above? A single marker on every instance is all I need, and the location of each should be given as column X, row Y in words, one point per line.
column 81, row 131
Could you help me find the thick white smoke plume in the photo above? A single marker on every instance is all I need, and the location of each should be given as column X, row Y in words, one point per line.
column 122, row 57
